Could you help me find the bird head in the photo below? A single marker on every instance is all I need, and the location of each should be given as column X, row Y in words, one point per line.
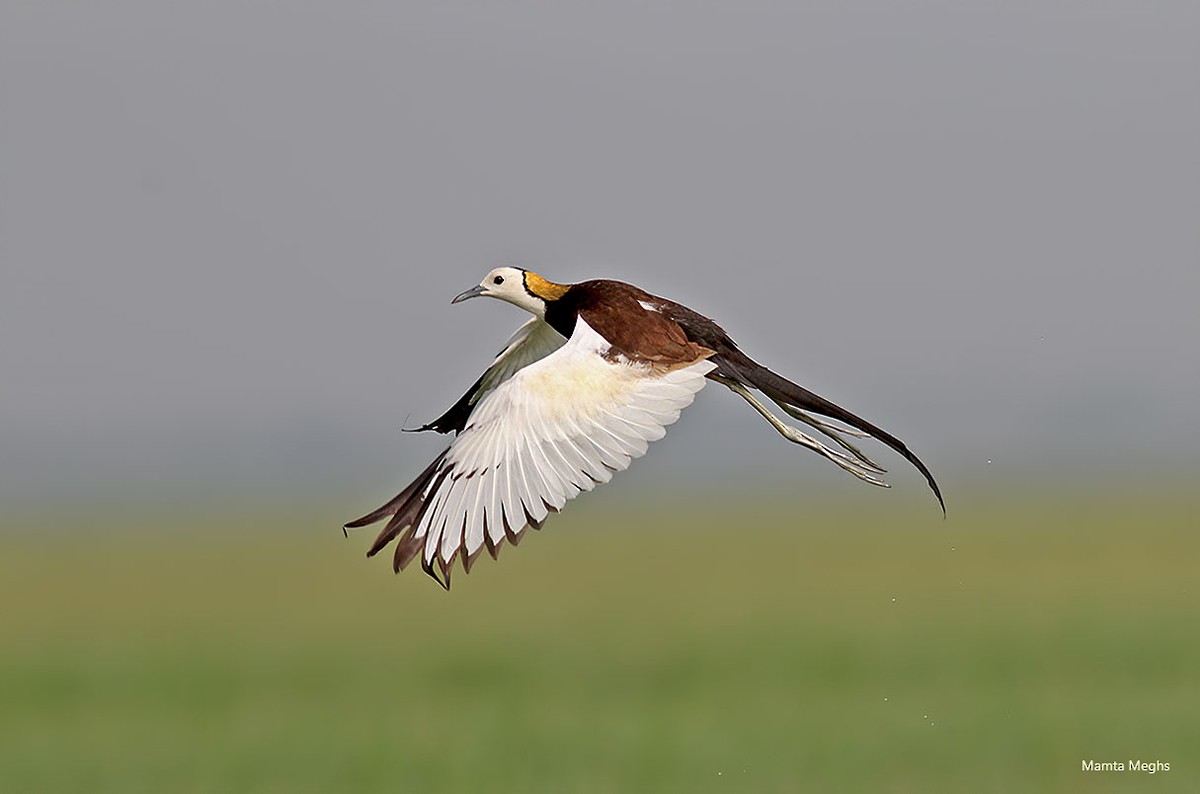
column 519, row 287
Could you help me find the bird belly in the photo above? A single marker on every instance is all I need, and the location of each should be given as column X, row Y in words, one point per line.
column 580, row 385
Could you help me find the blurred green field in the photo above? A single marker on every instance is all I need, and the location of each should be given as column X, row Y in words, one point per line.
column 675, row 649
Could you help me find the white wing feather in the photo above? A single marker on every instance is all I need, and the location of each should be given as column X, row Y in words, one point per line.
column 542, row 433
column 533, row 341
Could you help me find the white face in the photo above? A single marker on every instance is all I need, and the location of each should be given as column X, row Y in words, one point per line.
column 507, row 284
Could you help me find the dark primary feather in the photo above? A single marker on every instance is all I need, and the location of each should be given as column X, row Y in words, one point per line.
column 455, row 418
column 405, row 509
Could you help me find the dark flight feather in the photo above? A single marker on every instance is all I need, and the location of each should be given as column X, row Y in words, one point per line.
column 455, row 418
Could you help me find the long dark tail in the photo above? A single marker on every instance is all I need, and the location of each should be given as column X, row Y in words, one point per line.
column 405, row 509
column 733, row 363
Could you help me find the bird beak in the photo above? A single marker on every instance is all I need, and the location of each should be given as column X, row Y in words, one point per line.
column 473, row 292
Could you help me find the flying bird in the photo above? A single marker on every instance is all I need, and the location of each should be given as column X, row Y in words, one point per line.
column 580, row 390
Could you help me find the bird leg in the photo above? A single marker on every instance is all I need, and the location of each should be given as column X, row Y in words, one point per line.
column 819, row 423
column 833, row 431
column 862, row 469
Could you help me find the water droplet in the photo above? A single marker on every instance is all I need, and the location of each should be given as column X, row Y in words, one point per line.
column 885, row 700
column 989, row 461
column 893, row 599
column 953, row 548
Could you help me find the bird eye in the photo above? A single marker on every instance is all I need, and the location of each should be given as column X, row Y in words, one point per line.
column 498, row 280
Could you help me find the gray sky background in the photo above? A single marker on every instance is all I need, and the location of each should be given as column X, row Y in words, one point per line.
column 230, row 231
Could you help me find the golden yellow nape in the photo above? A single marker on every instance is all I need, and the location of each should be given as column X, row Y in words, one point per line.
column 546, row 290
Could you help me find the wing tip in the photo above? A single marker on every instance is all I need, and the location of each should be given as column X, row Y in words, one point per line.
column 443, row 568
column 369, row 518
